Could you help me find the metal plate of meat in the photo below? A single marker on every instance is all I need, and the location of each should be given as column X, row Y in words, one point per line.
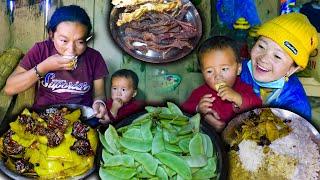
column 158, row 37
column 229, row 131
column 86, row 112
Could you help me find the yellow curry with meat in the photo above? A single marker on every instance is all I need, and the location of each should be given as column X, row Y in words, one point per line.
column 51, row 144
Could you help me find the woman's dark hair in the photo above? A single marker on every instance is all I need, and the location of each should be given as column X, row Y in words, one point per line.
column 218, row 43
column 127, row 73
column 71, row 13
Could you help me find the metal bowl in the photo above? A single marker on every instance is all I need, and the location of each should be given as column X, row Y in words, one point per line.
column 205, row 128
column 85, row 113
column 118, row 34
column 229, row 131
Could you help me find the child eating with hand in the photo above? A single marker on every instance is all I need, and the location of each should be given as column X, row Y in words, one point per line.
column 223, row 94
column 124, row 87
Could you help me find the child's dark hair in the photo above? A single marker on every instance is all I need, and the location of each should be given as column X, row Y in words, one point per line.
column 218, row 43
column 71, row 13
column 127, row 73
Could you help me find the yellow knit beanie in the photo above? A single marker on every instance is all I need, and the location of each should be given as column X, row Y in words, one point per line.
column 294, row 34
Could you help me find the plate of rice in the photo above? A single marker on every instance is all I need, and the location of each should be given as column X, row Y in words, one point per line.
column 272, row 143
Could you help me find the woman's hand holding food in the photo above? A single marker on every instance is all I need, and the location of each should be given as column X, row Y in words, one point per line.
column 56, row 63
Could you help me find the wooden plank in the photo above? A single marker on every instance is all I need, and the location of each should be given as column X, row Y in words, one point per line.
column 301, row 2
column 68, row 2
column 186, row 68
column 4, row 29
column 267, row 9
column 204, row 10
column 5, row 102
column 311, row 86
column 28, row 27
column 154, row 90
column 191, row 77
column 24, row 99
column 190, row 81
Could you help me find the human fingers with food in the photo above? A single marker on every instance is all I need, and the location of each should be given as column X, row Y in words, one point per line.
column 226, row 93
column 56, row 62
column 116, row 105
column 73, row 59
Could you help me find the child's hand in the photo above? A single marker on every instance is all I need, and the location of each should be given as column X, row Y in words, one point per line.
column 213, row 120
column 116, row 105
column 205, row 104
column 227, row 93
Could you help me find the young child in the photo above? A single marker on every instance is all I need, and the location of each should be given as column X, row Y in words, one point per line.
column 282, row 49
column 223, row 94
column 124, row 87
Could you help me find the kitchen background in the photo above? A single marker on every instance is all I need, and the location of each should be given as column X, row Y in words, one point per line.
column 22, row 23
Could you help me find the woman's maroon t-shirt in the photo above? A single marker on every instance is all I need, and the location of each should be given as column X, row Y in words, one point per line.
column 65, row 87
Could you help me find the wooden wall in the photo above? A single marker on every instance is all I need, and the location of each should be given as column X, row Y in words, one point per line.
column 5, row 33
column 267, row 9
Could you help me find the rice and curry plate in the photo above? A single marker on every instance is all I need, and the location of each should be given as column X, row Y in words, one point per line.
column 264, row 146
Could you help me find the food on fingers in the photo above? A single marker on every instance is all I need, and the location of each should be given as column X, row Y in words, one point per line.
column 219, row 85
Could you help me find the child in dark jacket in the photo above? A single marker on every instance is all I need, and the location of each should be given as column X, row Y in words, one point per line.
column 223, row 94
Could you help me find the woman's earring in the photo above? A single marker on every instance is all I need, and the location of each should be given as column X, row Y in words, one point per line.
column 286, row 78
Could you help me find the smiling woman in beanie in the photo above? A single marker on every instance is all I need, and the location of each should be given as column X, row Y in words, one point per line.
column 282, row 49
